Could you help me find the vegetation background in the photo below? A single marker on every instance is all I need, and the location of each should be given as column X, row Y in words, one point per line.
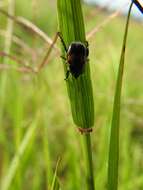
column 36, row 127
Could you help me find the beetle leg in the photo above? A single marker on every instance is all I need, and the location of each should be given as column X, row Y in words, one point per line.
column 86, row 44
column 62, row 40
column 63, row 57
column 87, row 49
column 67, row 74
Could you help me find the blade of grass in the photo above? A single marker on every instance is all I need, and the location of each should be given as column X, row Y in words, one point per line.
column 89, row 162
column 7, row 47
column 114, row 136
column 3, row 77
column 18, row 156
column 71, row 25
column 47, row 155
column 55, row 183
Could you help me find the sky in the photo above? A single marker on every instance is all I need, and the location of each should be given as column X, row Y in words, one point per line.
column 117, row 4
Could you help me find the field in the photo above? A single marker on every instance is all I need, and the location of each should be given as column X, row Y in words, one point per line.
column 36, row 127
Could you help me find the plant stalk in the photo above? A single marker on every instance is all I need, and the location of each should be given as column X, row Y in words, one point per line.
column 89, row 162
column 113, row 162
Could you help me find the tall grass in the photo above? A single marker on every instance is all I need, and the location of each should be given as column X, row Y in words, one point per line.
column 36, row 106
column 15, row 163
column 113, row 162
column 71, row 26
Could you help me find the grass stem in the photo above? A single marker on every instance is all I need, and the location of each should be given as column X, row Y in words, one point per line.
column 89, row 162
column 113, row 162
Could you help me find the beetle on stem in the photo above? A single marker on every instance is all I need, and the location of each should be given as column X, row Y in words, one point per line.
column 76, row 57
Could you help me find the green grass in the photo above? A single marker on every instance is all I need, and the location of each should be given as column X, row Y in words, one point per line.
column 114, row 151
column 79, row 90
column 27, row 94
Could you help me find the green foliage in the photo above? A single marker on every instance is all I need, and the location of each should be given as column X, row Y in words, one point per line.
column 71, row 26
column 55, row 182
column 113, row 162
column 19, row 156
column 25, row 95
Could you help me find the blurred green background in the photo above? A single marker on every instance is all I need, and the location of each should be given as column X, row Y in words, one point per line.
column 36, row 127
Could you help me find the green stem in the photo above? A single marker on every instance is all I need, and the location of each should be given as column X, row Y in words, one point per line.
column 113, row 161
column 89, row 162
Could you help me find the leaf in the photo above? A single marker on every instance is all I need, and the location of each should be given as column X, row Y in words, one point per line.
column 71, row 26
column 114, row 136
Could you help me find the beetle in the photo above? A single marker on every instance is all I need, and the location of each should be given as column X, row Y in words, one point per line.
column 76, row 57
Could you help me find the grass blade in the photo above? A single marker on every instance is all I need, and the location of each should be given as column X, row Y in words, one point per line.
column 114, row 136
column 71, row 25
column 55, row 182
column 18, row 156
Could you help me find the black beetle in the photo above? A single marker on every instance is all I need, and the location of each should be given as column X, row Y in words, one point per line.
column 76, row 57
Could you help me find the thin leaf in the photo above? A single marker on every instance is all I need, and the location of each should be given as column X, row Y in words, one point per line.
column 55, row 183
column 71, row 26
column 114, row 137
column 18, row 156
